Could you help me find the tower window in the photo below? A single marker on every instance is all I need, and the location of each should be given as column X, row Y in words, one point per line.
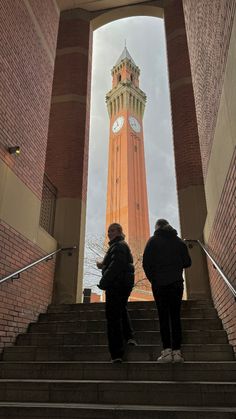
column 119, row 78
column 131, row 77
column 135, row 148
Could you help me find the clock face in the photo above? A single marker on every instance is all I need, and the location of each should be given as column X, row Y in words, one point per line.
column 135, row 125
column 118, row 124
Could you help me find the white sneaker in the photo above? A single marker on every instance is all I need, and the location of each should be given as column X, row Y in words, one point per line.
column 177, row 356
column 132, row 342
column 116, row 360
column 166, row 356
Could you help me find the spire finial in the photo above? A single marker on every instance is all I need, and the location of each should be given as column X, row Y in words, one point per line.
column 125, row 43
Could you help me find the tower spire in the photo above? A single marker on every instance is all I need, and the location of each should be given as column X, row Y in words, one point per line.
column 125, row 54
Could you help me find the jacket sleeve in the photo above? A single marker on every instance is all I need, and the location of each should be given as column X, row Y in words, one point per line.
column 116, row 267
column 148, row 256
column 187, row 262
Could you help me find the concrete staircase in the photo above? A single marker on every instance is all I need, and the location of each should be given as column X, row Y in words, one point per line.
column 61, row 368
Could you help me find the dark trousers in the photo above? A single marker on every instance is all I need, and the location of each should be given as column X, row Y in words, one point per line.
column 168, row 300
column 119, row 327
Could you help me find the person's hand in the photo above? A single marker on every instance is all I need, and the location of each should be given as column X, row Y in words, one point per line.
column 99, row 265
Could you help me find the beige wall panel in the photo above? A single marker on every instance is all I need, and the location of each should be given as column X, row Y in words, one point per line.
column 98, row 5
column 224, row 140
column 45, row 241
column 192, row 211
column 80, row 285
column 69, row 269
column 20, row 209
column 136, row 10
column 192, row 216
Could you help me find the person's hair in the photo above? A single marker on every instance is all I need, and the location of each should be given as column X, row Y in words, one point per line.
column 161, row 223
column 116, row 225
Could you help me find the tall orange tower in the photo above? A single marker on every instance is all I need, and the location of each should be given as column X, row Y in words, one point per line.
column 126, row 190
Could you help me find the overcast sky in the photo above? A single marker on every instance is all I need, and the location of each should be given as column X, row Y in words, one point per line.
column 145, row 40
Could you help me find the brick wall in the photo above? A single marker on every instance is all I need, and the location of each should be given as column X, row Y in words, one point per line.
column 47, row 16
column 186, row 147
column 208, row 25
column 185, row 132
column 21, row 300
column 223, row 246
column 67, row 152
column 27, row 48
column 26, row 82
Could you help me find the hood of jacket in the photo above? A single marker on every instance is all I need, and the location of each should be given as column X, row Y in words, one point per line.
column 166, row 231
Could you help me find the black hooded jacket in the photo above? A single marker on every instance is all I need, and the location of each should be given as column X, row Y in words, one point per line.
column 118, row 268
column 165, row 256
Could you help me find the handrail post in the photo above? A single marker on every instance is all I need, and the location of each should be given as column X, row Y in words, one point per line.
column 46, row 258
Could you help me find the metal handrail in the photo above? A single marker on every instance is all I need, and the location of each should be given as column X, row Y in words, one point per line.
column 216, row 266
column 49, row 256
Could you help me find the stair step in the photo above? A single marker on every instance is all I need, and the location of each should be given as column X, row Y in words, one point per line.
column 190, row 371
column 100, row 338
column 61, row 368
column 133, row 305
column 197, row 352
column 134, row 314
column 100, row 325
column 215, row 394
column 109, row 411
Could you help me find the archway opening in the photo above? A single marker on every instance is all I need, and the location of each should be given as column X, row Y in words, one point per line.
column 145, row 40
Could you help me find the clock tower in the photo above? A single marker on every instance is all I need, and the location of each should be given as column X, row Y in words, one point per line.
column 127, row 202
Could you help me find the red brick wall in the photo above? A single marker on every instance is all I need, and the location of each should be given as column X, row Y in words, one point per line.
column 27, row 48
column 21, row 300
column 185, row 132
column 47, row 16
column 186, row 144
column 208, row 25
column 222, row 243
column 25, row 86
column 67, row 152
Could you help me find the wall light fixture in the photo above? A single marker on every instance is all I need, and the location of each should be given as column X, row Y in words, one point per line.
column 14, row 150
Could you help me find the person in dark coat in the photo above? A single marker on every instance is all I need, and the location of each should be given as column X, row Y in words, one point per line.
column 117, row 281
column 165, row 256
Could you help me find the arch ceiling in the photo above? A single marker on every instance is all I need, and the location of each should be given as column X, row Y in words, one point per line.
column 103, row 5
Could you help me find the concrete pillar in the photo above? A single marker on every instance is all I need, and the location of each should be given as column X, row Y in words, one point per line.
column 190, row 186
column 67, row 152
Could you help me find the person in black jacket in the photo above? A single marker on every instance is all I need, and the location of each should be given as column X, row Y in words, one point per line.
column 117, row 280
column 165, row 256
